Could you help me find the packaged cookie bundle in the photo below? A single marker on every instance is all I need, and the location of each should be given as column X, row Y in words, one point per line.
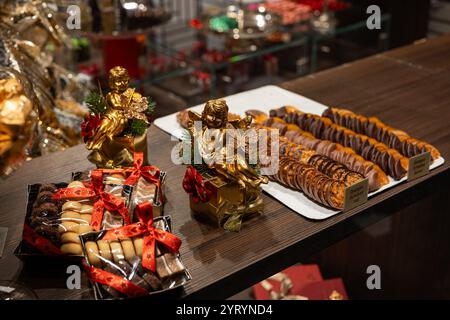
column 57, row 214
column 107, row 195
column 148, row 184
column 41, row 229
column 134, row 260
column 111, row 183
column 142, row 183
column 53, row 225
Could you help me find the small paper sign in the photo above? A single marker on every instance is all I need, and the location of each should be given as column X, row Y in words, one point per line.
column 356, row 194
column 419, row 165
column 7, row 290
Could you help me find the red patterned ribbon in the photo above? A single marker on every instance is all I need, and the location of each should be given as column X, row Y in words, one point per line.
column 74, row 193
column 104, row 200
column 194, row 185
column 145, row 227
column 119, row 283
column 39, row 242
column 139, row 170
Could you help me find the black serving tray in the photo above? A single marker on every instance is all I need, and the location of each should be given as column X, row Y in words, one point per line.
column 27, row 253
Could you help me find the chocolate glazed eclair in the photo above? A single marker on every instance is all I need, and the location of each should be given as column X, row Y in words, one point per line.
column 346, row 156
column 374, row 128
column 390, row 160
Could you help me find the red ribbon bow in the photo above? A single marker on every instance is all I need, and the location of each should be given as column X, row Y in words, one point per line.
column 193, row 184
column 150, row 173
column 139, row 170
column 145, row 227
column 104, row 200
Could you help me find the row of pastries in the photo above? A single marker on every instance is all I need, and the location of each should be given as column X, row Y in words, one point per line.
column 321, row 155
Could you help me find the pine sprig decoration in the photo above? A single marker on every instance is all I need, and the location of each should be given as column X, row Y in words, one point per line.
column 96, row 103
column 151, row 107
column 136, row 127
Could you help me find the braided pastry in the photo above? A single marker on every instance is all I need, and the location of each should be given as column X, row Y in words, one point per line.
column 374, row 128
column 390, row 160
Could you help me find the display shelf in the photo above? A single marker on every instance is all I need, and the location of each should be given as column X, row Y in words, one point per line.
column 307, row 42
column 316, row 38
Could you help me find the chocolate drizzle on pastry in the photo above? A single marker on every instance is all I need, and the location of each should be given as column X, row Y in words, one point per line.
column 325, row 165
column 306, row 178
column 374, row 128
column 345, row 156
column 390, row 160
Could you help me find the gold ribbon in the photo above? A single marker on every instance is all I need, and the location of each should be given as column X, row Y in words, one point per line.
column 230, row 216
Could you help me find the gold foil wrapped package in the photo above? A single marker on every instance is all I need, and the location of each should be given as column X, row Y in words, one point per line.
column 119, row 151
column 17, row 120
column 36, row 21
column 26, row 30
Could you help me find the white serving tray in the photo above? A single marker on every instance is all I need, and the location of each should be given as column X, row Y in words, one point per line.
column 265, row 99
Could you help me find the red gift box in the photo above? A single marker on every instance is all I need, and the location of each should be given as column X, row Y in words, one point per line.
column 332, row 289
column 300, row 283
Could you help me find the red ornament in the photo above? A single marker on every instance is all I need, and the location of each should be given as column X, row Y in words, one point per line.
column 196, row 24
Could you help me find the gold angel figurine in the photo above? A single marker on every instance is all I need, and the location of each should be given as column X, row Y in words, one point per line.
column 124, row 104
column 233, row 166
column 116, row 127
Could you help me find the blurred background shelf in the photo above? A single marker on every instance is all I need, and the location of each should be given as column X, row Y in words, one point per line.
column 179, row 57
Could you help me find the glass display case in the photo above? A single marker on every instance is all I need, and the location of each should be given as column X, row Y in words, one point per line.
column 202, row 58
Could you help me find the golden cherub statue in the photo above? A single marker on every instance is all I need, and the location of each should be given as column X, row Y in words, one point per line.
column 124, row 103
column 232, row 167
column 123, row 122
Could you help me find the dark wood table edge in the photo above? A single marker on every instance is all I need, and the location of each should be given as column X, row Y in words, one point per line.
column 303, row 249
